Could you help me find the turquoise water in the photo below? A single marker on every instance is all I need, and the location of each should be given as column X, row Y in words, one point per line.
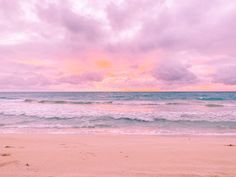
column 201, row 113
column 212, row 96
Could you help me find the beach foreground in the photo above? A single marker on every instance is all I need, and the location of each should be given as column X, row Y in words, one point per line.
column 48, row 155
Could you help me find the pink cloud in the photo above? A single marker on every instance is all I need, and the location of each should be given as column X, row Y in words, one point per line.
column 173, row 73
column 82, row 28
column 134, row 36
column 83, row 78
column 225, row 75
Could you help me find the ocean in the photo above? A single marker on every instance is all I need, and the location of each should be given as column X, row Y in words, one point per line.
column 149, row 113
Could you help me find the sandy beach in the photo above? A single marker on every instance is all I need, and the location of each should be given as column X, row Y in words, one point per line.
column 48, row 155
column 117, row 88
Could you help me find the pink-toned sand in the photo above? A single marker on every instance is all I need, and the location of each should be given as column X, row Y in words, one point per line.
column 45, row 155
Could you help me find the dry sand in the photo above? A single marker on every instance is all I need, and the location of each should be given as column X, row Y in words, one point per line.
column 45, row 155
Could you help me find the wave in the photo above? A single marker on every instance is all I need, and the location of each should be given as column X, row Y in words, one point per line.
column 7, row 98
column 11, row 119
column 211, row 98
column 56, row 126
column 3, row 97
column 89, row 102
column 65, row 102
column 135, row 103
column 110, row 122
column 214, row 105
column 176, row 103
column 119, row 119
column 182, row 118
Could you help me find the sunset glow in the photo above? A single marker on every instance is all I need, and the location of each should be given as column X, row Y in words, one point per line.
column 125, row 45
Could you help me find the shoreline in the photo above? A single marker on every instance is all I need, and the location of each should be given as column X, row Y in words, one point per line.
column 118, row 132
column 73, row 155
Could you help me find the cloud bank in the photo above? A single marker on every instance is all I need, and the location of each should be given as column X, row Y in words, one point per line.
column 144, row 45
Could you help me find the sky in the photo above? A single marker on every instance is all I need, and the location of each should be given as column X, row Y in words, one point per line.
column 117, row 45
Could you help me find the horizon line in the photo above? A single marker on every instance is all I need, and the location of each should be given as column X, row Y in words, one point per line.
column 111, row 91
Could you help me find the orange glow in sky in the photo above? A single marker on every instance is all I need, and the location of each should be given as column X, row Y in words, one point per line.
column 117, row 46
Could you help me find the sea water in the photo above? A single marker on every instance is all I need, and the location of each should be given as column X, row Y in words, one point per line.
column 154, row 113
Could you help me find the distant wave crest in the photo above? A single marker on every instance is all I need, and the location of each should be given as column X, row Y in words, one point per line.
column 211, row 98
column 214, row 105
column 65, row 102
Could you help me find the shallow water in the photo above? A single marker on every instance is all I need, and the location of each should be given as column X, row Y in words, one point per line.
column 201, row 113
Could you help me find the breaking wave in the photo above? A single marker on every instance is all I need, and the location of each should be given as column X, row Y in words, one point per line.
column 65, row 102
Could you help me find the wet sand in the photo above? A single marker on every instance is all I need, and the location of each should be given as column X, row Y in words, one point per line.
column 47, row 155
